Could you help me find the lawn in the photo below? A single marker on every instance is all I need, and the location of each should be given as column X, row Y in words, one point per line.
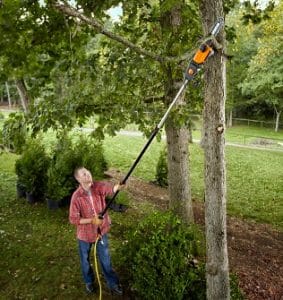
column 38, row 251
column 254, row 177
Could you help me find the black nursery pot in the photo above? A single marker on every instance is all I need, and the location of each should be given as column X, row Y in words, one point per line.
column 51, row 204
column 21, row 193
column 30, row 198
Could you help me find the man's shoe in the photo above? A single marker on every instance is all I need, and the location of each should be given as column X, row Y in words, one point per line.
column 89, row 288
column 117, row 290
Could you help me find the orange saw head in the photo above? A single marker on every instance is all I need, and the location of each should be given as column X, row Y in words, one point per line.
column 204, row 51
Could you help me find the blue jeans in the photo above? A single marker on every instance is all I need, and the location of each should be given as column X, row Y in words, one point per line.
column 104, row 260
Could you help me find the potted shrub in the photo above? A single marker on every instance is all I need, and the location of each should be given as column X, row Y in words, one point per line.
column 66, row 156
column 89, row 153
column 56, row 189
column 31, row 169
column 60, row 180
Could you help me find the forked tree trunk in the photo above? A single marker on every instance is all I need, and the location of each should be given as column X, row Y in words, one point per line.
column 217, row 271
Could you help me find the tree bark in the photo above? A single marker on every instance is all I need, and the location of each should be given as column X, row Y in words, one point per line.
column 230, row 118
column 278, row 113
column 22, row 90
column 217, row 271
column 178, row 171
column 8, row 94
column 177, row 136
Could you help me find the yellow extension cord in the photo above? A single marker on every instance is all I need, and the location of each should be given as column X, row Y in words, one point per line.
column 96, row 268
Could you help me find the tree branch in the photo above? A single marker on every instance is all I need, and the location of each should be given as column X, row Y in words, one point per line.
column 70, row 11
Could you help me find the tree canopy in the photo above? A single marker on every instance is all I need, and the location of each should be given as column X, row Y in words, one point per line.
column 264, row 81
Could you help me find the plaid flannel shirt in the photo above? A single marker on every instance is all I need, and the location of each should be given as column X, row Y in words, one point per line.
column 84, row 206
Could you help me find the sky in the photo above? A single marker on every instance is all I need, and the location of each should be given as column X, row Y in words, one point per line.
column 115, row 12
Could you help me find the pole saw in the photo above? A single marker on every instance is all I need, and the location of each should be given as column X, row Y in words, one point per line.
column 205, row 50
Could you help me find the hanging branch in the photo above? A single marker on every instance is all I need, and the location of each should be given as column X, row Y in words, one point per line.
column 92, row 21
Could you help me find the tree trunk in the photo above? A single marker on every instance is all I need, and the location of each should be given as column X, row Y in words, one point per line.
column 278, row 113
column 190, row 134
column 230, row 118
column 2, row 97
column 177, row 135
column 8, row 94
column 217, row 272
column 178, row 171
column 22, row 90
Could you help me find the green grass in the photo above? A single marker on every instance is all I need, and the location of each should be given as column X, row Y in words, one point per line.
column 255, row 185
column 38, row 250
column 249, row 135
column 254, row 177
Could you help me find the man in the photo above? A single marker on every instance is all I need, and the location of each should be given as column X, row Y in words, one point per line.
column 86, row 203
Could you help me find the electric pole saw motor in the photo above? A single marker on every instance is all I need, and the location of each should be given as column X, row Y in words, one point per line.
column 204, row 51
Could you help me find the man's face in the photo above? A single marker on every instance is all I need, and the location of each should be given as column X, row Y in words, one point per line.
column 84, row 176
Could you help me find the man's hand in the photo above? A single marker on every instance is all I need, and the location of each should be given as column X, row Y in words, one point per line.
column 118, row 187
column 96, row 221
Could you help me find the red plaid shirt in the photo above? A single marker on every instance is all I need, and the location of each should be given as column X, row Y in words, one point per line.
column 85, row 206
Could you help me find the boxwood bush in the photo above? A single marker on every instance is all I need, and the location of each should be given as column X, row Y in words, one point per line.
column 66, row 156
column 31, row 168
column 162, row 259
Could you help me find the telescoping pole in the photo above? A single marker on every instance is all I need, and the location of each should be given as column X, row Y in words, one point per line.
column 195, row 66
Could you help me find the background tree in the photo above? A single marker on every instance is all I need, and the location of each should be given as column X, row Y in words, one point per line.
column 264, row 81
column 33, row 37
column 242, row 47
column 247, row 21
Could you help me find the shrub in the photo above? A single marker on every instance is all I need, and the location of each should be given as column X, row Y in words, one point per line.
column 90, row 154
column 31, row 168
column 60, row 181
column 159, row 258
column 67, row 155
column 161, row 175
column 14, row 132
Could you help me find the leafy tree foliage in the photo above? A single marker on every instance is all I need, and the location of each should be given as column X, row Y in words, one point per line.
column 264, row 81
column 130, row 81
column 254, row 13
column 242, row 49
column 247, row 21
column 104, row 74
column 33, row 38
